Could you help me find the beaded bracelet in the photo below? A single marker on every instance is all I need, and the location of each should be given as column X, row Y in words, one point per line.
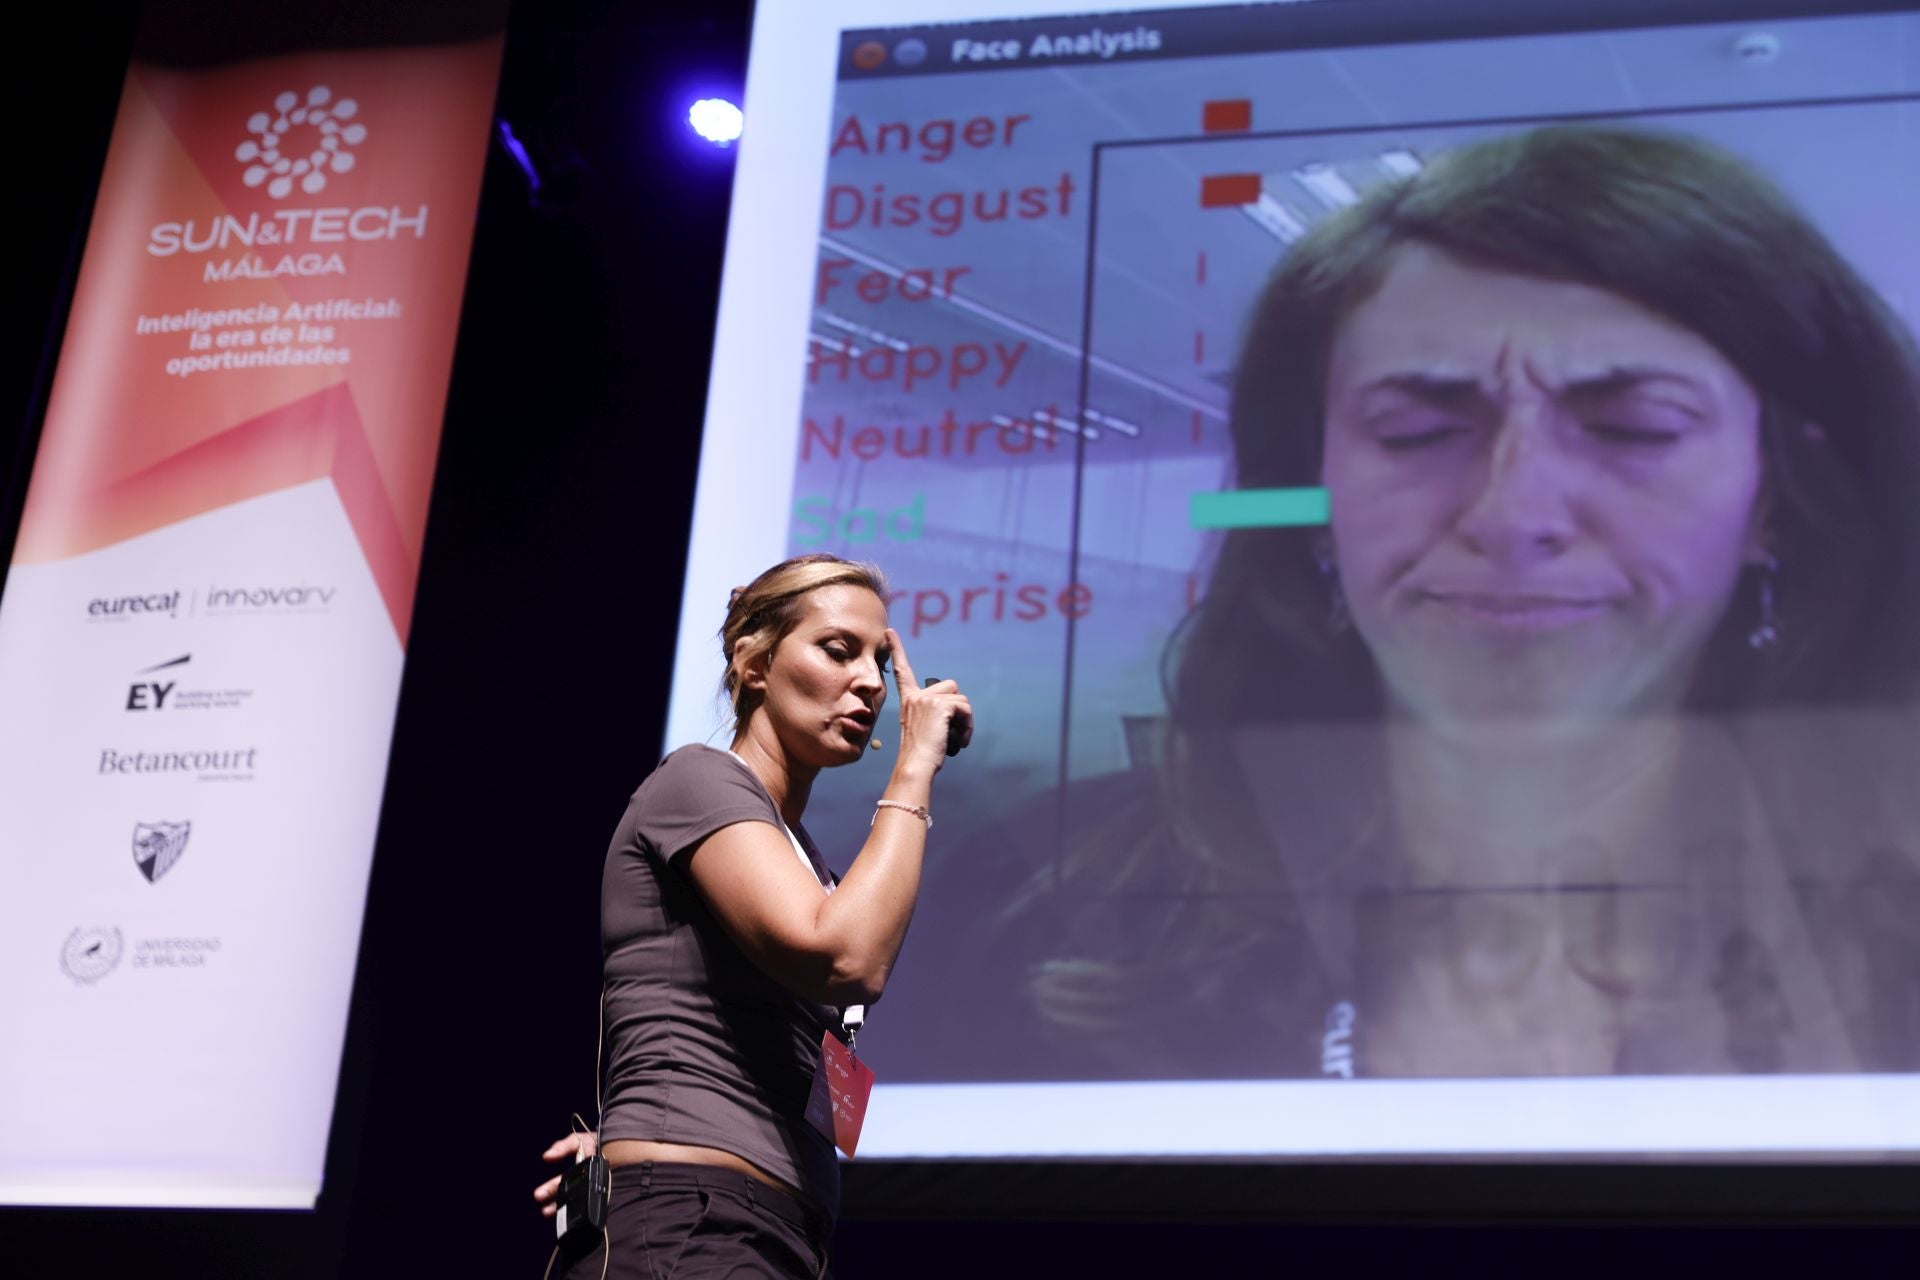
column 917, row 810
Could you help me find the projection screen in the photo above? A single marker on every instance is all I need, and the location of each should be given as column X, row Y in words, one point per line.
column 1420, row 496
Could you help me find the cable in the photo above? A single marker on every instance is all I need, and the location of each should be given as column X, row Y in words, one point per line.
column 599, row 1050
column 600, row 1118
column 600, row 1124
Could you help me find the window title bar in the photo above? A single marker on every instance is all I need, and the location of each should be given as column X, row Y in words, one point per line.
column 1108, row 38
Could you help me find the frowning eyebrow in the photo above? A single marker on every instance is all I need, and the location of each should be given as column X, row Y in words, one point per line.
column 1446, row 391
column 1455, row 391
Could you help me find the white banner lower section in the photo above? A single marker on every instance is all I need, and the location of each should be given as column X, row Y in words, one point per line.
column 187, row 840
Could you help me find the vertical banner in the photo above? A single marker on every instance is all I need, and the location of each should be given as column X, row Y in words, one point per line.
column 206, row 613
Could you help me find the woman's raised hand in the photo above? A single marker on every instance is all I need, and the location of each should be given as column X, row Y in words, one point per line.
column 928, row 716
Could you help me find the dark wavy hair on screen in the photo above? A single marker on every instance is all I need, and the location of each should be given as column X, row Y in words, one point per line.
column 1672, row 223
column 1685, row 230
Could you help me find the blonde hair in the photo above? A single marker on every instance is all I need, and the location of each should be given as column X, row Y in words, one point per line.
column 760, row 614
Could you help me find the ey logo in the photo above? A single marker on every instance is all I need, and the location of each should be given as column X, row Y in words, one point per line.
column 151, row 695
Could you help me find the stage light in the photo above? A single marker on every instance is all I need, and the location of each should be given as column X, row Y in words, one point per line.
column 518, row 151
column 716, row 120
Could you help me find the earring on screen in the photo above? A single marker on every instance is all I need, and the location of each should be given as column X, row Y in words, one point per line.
column 1767, row 634
column 1338, row 619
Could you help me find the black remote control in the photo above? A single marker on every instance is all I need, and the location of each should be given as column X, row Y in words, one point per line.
column 956, row 732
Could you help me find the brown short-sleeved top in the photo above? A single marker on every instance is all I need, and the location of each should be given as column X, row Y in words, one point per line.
column 703, row 1047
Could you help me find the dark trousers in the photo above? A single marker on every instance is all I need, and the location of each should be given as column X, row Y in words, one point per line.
column 693, row 1222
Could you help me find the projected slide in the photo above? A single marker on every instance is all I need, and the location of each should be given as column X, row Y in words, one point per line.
column 1427, row 523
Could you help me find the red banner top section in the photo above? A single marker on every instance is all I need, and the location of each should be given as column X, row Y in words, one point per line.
column 287, row 235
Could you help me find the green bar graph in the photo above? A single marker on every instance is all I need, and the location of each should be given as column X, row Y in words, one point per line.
column 1259, row 509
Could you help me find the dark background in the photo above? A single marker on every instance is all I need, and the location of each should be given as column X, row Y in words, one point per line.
column 533, row 702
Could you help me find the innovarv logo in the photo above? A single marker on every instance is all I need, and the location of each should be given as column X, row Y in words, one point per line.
column 300, row 140
column 292, row 598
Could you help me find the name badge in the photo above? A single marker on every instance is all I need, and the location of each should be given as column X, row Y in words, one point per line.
column 837, row 1107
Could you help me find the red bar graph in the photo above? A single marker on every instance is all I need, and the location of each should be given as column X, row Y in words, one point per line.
column 1227, row 115
column 1223, row 190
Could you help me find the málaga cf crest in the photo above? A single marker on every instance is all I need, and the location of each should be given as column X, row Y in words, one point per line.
column 158, row 845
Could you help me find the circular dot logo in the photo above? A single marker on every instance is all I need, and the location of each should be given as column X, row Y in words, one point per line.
column 910, row 52
column 300, row 141
column 869, row 54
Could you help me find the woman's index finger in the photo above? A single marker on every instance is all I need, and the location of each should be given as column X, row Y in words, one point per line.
column 903, row 675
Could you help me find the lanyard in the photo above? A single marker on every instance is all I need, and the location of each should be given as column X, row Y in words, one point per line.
column 793, row 840
column 800, row 852
column 854, row 1016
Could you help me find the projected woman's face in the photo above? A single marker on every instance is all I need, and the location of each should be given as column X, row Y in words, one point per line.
column 826, row 681
column 1542, row 493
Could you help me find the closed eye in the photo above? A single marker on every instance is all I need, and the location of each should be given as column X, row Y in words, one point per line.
column 1639, row 437
column 1409, row 441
